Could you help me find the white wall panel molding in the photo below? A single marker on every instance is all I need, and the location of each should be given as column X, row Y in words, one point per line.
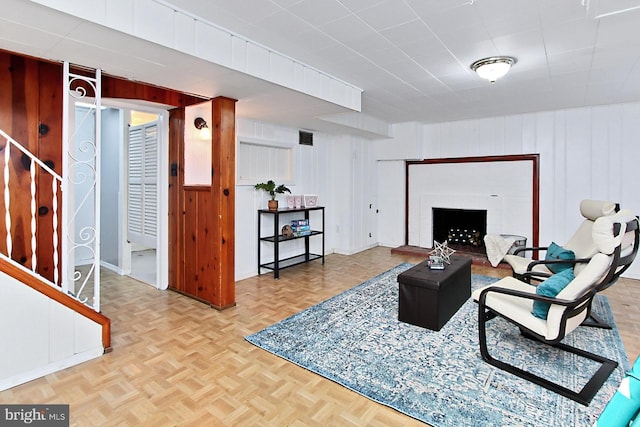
column 160, row 22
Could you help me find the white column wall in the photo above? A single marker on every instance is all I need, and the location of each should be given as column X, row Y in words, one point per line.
column 391, row 201
column 354, row 186
column 584, row 153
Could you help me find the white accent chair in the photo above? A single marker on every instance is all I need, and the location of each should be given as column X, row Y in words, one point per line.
column 581, row 243
column 513, row 300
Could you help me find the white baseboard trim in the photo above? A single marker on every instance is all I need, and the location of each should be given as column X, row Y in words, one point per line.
column 355, row 251
column 24, row 377
column 112, row 267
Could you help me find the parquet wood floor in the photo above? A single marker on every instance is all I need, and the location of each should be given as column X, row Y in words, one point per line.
column 177, row 362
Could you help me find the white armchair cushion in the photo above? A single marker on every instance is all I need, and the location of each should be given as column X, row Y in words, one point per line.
column 513, row 307
column 603, row 236
column 592, row 273
column 581, row 243
column 519, row 309
column 594, row 209
column 520, row 265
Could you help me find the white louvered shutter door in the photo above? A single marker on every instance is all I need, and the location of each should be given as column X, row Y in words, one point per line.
column 143, row 184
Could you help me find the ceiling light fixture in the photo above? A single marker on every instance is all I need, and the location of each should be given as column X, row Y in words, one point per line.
column 493, row 68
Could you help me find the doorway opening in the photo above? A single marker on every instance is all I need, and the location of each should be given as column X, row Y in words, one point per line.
column 134, row 201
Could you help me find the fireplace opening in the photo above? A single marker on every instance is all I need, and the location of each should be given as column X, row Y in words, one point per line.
column 463, row 229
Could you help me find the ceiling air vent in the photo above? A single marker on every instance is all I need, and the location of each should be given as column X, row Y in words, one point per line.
column 306, row 138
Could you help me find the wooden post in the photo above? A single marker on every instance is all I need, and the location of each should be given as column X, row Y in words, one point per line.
column 223, row 195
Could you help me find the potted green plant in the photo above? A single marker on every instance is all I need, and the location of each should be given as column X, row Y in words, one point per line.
column 271, row 188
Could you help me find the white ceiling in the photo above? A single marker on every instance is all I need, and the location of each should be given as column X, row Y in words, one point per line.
column 410, row 57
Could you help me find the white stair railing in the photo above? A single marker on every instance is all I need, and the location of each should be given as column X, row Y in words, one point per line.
column 81, row 135
column 36, row 166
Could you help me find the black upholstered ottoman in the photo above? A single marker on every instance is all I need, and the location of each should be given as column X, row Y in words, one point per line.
column 428, row 298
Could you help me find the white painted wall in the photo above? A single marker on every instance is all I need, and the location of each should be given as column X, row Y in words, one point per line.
column 44, row 335
column 307, row 160
column 584, row 153
column 405, row 145
column 110, row 197
column 339, row 169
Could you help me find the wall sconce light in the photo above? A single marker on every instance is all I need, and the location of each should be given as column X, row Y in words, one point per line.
column 493, row 68
column 200, row 123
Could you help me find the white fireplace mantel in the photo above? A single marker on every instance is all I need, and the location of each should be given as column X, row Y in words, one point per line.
column 503, row 189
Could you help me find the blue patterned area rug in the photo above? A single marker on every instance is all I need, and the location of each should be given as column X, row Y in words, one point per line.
column 439, row 378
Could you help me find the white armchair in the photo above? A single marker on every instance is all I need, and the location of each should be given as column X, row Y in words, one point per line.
column 517, row 301
column 581, row 244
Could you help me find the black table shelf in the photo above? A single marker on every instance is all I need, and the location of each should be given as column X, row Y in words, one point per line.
column 282, row 238
column 290, row 262
column 277, row 239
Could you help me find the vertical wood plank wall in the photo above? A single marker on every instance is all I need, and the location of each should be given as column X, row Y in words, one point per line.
column 176, row 195
column 49, row 150
column 28, row 91
column 31, row 96
column 203, row 239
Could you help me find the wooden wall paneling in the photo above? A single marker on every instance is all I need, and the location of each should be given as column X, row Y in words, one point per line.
column 190, row 236
column 19, row 120
column 204, row 264
column 49, row 151
column 203, row 231
column 202, row 223
column 115, row 87
column 6, row 115
column 5, row 89
column 223, row 192
column 198, row 279
column 176, row 199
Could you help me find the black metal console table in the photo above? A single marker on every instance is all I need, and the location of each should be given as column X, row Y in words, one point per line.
column 277, row 238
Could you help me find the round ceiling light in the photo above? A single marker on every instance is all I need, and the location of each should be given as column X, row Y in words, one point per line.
column 493, row 68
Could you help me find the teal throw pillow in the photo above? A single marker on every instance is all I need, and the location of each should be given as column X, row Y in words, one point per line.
column 556, row 252
column 550, row 288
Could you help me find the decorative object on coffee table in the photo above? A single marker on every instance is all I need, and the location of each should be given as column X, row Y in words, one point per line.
column 436, row 262
column 443, row 251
